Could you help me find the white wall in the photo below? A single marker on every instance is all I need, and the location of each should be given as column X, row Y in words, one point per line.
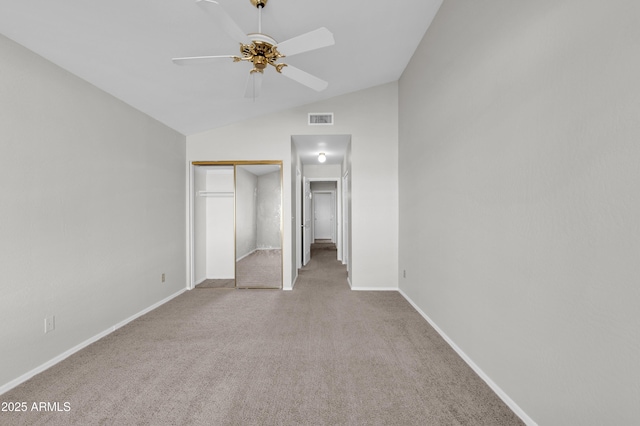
column 371, row 117
column 520, row 199
column 220, row 254
column 92, row 211
column 322, row 171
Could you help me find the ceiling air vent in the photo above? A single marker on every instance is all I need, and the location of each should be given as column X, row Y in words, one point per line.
column 321, row 119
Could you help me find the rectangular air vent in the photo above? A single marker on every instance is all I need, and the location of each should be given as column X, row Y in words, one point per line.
column 320, row 119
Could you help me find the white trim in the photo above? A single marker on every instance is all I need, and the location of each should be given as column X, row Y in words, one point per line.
column 501, row 394
column 190, row 240
column 344, row 216
column 18, row 381
column 374, row 288
column 298, row 217
column 217, row 194
column 295, row 280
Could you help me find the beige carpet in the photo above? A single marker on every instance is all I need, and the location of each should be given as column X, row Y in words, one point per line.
column 318, row 355
column 261, row 269
column 218, row 283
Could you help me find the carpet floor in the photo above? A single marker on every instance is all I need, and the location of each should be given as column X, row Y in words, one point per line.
column 228, row 284
column 261, row 269
column 318, row 355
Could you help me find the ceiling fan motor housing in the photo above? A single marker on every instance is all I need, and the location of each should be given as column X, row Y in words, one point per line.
column 260, row 53
column 259, row 3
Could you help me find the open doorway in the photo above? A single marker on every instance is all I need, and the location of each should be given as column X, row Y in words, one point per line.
column 324, row 211
column 319, row 198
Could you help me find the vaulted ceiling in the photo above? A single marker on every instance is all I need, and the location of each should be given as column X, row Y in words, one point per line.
column 125, row 47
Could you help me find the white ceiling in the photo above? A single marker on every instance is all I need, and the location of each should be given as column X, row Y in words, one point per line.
column 125, row 47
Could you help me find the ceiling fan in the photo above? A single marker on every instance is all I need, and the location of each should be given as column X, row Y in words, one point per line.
column 262, row 50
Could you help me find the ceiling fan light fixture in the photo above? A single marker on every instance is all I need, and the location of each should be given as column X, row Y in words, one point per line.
column 322, row 157
column 260, row 53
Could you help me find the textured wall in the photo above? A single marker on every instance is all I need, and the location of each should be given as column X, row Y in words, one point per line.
column 269, row 211
column 246, row 211
column 92, row 211
column 520, row 199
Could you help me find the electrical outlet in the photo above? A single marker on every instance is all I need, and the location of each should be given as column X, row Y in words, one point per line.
column 49, row 324
column 404, row 273
column 163, row 277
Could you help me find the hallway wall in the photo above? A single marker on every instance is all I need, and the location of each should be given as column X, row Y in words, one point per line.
column 520, row 199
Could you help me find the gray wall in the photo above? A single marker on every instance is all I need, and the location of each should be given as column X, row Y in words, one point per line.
column 519, row 188
column 92, row 211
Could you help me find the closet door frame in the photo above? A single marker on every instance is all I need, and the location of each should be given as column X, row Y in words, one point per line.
column 191, row 210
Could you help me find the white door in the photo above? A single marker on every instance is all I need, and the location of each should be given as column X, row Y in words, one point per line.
column 345, row 220
column 306, row 215
column 323, row 215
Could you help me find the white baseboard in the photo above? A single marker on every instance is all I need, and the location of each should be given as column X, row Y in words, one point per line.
column 15, row 382
column 293, row 284
column 374, row 288
column 501, row 394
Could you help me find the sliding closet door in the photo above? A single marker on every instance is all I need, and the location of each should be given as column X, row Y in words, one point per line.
column 258, row 225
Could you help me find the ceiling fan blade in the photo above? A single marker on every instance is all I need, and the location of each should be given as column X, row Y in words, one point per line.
column 226, row 22
column 254, row 84
column 198, row 60
column 305, row 78
column 316, row 39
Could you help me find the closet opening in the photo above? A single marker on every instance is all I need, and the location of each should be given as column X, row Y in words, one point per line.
column 236, row 225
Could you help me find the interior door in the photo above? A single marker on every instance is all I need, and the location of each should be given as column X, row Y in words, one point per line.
column 307, row 214
column 323, row 216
